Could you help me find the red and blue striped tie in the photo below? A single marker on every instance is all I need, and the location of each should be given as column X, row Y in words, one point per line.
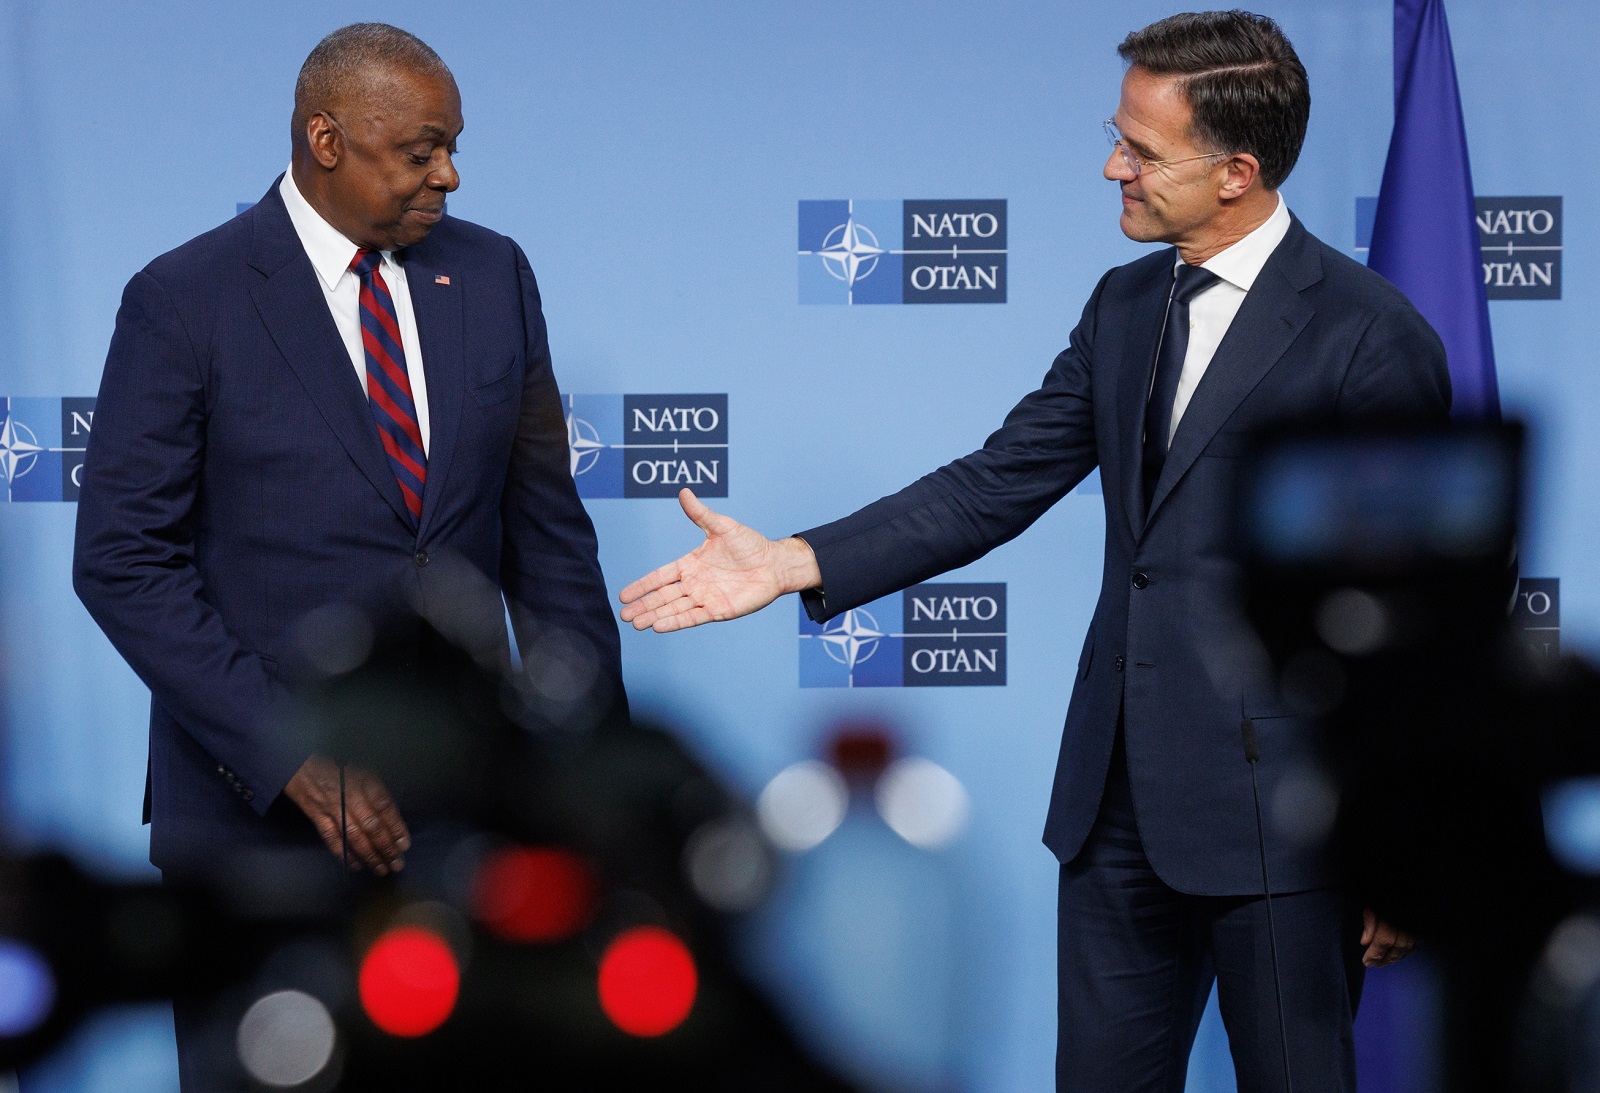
column 388, row 383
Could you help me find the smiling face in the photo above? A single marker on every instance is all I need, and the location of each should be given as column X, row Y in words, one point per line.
column 380, row 157
column 1177, row 203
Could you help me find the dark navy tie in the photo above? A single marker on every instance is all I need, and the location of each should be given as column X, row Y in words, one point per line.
column 1189, row 282
column 388, row 382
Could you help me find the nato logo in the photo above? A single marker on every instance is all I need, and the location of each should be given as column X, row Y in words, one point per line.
column 930, row 635
column 1520, row 238
column 647, row 445
column 42, row 441
column 1536, row 616
column 902, row 252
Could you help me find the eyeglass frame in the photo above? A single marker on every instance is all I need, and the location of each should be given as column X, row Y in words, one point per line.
column 1137, row 165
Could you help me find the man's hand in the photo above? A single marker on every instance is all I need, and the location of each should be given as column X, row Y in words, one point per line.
column 1384, row 943
column 374, row 831
column 736, row 571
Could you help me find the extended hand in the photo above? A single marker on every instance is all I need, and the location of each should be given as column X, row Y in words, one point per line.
column 737, row 570
column 1384, row 943
column 374, row 831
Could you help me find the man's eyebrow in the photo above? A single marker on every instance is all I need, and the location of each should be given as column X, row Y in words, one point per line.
column 1142, row 150
column 430, row 130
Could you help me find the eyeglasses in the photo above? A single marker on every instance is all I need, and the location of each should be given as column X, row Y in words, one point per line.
column 1137, row 165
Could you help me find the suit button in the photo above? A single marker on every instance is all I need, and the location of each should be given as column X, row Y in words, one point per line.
column 1120, row 662
column 421, row 558
column 1141, row 579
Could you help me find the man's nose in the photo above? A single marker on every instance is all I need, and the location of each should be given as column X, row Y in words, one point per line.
column 445, row 177
column 1117, row 169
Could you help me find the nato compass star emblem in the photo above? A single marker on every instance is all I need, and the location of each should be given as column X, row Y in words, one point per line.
column 853, row 638
column 850, row 252
column 19, row 449
column 583, row 444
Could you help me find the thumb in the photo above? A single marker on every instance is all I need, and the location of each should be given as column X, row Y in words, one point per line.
column 695, row 509
column 1369, row 926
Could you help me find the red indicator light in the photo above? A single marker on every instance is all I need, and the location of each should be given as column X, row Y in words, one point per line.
column 409, row 981
column 533, row 894
column 647, row 981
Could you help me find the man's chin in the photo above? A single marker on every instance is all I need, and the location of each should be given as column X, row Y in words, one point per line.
column 1139, row 229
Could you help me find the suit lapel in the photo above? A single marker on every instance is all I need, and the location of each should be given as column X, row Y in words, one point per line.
column 437, row 307
column 1269, row 320
column 1148, row 306
column 291, row 304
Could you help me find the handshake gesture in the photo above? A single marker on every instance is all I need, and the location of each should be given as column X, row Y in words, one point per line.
column 736, row 571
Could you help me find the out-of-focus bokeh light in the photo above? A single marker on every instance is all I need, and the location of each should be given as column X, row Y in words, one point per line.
column 285, row 1039
column 1353, row 622
column 533, row 894
column 1572, row 955
column 803, row 805
column 648, row 981
column 335, row 638
column 1572, row 823
column 1305, row 806
column 923, row 803
column 728, row 865
column 409, row 981
column 27, row 988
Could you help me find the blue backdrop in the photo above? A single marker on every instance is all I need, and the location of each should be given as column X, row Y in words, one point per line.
column 652, row 159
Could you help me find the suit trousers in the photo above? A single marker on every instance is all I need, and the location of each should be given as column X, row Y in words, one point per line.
column 1137, row 960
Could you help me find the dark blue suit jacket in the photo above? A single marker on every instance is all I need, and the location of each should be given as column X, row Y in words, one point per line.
column 1319, row 335
column 235, row 482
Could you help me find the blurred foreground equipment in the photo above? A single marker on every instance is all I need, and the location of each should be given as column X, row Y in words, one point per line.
column 560, row 922
column 1381, row 568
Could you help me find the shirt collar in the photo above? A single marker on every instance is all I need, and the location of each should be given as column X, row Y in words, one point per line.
column 1241, row 264
column 330, row 252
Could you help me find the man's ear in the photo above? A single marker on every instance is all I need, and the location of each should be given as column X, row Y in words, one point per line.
column 324, row 140
column 1241, row 169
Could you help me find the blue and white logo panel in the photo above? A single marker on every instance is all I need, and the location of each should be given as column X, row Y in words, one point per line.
column 930, row 635
column 42, row 441
column 902, row 252
column 647, row 445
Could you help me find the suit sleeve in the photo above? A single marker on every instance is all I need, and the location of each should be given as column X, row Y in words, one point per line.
column 1398, row 371
column 965, row 509
column 550, row 566
column 134, row 558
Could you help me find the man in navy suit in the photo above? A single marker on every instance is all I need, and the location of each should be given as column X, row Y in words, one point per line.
column 342, row 396
column 1246, row 322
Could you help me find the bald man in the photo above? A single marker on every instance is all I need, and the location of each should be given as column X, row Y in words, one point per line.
column 344, row 393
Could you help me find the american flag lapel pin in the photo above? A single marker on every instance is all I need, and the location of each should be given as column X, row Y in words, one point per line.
column 441, row 280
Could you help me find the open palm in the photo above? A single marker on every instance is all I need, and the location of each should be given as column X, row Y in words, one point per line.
column 736, row 570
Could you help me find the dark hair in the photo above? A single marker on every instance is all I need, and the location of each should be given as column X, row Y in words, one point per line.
column 1246, row 86
column 343, row 57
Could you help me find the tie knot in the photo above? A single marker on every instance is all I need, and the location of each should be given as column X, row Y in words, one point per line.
column 365, row 261
column 1191, row 281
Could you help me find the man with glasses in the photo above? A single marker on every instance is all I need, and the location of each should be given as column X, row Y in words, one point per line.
column 1245, row 322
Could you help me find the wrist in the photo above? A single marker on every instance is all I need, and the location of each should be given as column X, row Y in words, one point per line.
column 797, row 565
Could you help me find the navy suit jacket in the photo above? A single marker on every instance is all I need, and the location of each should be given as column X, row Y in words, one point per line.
column 235, row 482
column 1169, row 650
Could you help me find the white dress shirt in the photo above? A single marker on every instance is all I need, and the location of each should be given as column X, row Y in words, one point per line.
column 331, row 254
column 1211, row 312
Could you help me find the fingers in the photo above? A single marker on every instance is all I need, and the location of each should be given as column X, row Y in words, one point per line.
column 651, row 600
column 683, row 619
column 653, row 581
column 374, row 833
column 378, row 836
column 1385, row 944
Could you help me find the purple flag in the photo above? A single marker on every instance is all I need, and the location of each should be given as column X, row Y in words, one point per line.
column 1425, row 236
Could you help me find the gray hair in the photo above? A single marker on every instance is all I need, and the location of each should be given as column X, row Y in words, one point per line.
column 341, row 59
